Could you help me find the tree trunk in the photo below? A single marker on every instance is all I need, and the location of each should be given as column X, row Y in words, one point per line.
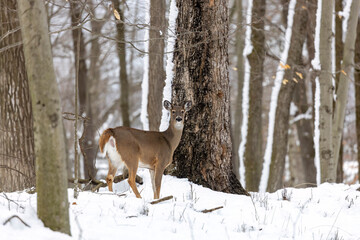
column 80, row 55
column 17, row 160
column 357, row 92
column 121, row 50
column 156, row 62
column 280, row 136
column 51, row 177
column 253, row 143
column 326, row 153
column 201, row 75
column 240, row 83
column 343, row 89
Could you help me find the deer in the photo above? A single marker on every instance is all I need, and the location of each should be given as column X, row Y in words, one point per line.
column 133, row 148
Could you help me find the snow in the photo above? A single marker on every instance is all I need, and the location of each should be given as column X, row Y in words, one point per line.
column 312, row 213
column 245, row 95
column 144, row 117
column 345, row 15
column 274, row 98
column 316, row 65
column 165, row 118
column 316, row 61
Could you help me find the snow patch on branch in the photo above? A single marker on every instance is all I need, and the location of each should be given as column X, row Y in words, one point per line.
column 245, row 95
column 144, row 117
column 274, row 98
column 169, row 64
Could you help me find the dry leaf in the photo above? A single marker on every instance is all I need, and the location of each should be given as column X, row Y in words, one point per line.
column 285, row 81
column 303, row 7
column 344, row 72
column 235, row 68
column 74, row 203
column 299, row 75
column 116, row 14
column 282, row 65
column 295, row 80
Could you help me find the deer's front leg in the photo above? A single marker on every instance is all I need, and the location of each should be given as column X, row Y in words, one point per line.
column 157, row 179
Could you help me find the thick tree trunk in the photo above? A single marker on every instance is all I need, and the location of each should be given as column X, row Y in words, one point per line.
column 326, row 153
column 280, row 137
column 156, row 62
column 121, row 50
column 357, row 91
column 240, row 83
column 201, row 75
column 17, row 160
column 253, row 147
column 343, row 89
column 51, row 177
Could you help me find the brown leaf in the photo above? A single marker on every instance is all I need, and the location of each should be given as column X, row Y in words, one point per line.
column 116, row 14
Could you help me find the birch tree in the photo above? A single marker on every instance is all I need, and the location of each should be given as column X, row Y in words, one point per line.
column 51, row 175
column 324, row 94
column 357, row 91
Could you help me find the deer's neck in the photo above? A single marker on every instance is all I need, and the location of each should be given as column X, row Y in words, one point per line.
column 173, row 134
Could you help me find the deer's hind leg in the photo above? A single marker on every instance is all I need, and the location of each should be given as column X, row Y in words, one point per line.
column 132, row 168
column 110, row 176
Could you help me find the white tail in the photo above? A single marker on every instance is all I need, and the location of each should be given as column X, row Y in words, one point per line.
column 147, row 149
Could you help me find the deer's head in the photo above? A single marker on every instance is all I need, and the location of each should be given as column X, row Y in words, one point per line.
column 177, row 113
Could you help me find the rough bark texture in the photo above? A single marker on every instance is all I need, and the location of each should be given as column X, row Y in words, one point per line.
column 51, row 177
column 253, row 148
column 236, row 134
column 343, row 87
column 201, row 75
column 280, row 138
column 357, row 92
column 156, row 62
column 327, row 163
column 17, row 160
column 121, row 50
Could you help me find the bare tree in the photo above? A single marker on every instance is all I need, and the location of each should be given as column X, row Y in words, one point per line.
column 17, row 160
column 156, row 62
column 201, row 75
column 51, row 175
column 121, row 50
column 357, row 91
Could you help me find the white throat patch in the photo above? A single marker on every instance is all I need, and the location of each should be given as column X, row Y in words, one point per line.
column 179, row 125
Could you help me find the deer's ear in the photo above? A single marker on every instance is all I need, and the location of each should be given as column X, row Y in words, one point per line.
column 167, row 105
column 187, row 105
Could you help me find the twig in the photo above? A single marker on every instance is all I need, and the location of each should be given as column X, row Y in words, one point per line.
column 16, row 216
column 161, row 200
column 211, row 210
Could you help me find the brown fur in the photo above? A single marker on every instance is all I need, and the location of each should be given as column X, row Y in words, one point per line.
column 154, row 150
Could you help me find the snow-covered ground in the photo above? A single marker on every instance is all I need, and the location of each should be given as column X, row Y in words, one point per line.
column 330, row 211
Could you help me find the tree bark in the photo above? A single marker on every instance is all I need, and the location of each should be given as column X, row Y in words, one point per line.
column 253, row 147
column 80, row 55
column 280, row 137
column 121, row 50
column 236, row 135
column 156, row 62
column 201, row 75
column 327, row 162
column 343, row 89
column 51, row 177
column 17, row 160
column 357, row 91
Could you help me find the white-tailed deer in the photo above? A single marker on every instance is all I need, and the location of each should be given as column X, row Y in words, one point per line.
column 146, row 149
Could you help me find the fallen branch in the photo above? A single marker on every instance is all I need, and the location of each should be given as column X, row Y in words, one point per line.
column 161, row 200
column 16, row 216
column 211, row 210
column 98, row 184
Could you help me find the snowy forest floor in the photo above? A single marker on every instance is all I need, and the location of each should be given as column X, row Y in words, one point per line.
column 330, row 211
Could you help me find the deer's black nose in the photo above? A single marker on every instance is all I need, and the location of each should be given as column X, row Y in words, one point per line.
column 179, row 119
